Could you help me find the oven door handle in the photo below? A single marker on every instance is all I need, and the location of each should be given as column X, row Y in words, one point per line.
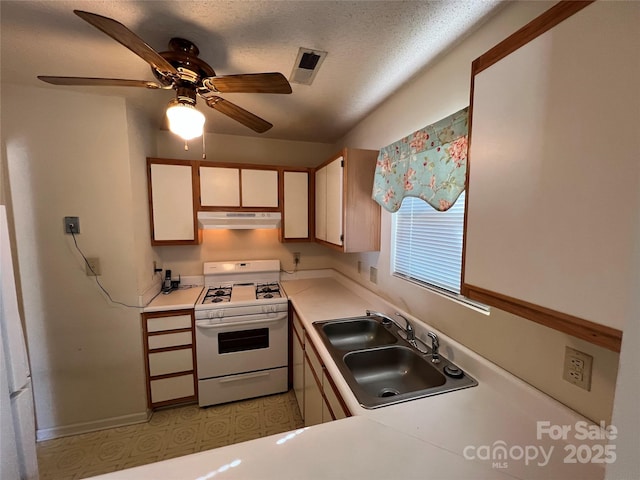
column 238, row 378
column 263, row 321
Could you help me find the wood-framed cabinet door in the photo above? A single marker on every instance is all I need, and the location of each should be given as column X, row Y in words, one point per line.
column 171, row 202
column 219, row 186
column 259, row 188
column 334, row 201
column 295, row 209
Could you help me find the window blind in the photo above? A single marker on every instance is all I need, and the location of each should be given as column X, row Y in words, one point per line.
column 428, row 243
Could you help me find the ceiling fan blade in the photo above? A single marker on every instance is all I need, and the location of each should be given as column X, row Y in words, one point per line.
column 246, row 118
column 126, row 37
column 98, row 82
column 249, row 83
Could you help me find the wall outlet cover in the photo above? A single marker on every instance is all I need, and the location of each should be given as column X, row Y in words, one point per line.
column 92, row 267
column 373, row 274
column 577, row 368
column 72, row 225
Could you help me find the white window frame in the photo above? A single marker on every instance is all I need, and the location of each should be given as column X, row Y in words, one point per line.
column 425, row 275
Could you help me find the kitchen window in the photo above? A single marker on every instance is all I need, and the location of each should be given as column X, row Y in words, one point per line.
column 428, row 243
column 427, row 247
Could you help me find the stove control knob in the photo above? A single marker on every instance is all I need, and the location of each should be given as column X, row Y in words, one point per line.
column 268, row 309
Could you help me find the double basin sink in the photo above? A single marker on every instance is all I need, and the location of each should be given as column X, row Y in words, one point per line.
column 381, row 367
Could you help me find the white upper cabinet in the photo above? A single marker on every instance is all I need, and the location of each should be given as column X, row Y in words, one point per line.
column 219, row 187
column 329, row 183
column 334, row 200
column 552, row 205
column 347, row 218
column 321, row 203
column 180, row 188
column 295, row 218
column 238, row 187
column 171, row 197
column 259, row 188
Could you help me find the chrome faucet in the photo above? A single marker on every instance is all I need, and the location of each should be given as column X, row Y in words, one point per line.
column 385, row 317
column 411, row 334
column 435, row 345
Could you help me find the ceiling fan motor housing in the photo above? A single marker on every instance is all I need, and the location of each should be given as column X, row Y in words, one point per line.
column 186, row 94
column 184, row 58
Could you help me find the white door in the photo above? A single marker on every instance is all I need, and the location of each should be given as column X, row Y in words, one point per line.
column 172, row 201
column 259, row 188
column 17, row 434
column 334, row 201
column 296, row 205
column 321, row 203
column 219, row 187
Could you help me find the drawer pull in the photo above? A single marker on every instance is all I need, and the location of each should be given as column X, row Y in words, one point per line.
column 238, row 378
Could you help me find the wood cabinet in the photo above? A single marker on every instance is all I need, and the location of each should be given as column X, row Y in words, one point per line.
column 346, row 217
column 297, row 360
column 238, row 187
column 259, row 188
column 551, row 220
column 170, row 358
column 313, row 398
column 178, row 189
column 318, row 398
column 172, row 207
column 296, row 204
column 219, row 186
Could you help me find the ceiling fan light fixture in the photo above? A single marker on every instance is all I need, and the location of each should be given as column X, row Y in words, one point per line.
column 184, row 120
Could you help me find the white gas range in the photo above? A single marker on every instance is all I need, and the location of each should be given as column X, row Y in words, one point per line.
column 241, row 332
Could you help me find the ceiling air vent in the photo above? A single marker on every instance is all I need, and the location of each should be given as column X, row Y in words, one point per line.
column 306, row 66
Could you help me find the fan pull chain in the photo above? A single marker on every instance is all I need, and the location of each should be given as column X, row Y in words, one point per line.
column 204, row 150
column 186, row 146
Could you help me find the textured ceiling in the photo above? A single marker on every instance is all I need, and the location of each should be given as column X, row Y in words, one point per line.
column 373, row 48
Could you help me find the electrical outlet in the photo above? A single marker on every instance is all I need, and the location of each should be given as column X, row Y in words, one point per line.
column 296, row 257
column 373, row 274
column 577, row 368
column 72, row 225
column 92, row 267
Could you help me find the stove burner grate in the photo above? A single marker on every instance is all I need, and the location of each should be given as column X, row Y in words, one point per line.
column 268, row 290
column 217, row 295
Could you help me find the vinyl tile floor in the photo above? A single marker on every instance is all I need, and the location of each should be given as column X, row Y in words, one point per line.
column 169, row 433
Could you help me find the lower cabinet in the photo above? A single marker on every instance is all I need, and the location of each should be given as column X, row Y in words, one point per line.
column 317, row 395
column 298, row 361
column 170, row 365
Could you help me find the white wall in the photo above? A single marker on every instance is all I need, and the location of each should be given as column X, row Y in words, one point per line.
column 142, row 143
column 239, row 149
column 528, row 350
column 69, row 155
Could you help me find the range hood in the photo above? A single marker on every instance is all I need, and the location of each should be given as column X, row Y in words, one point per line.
column 238, row 220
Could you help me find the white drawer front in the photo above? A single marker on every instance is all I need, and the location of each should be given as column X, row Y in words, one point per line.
column 174, row 361
column 170, row 340
column 159, row 324
column 244, row 385
column 170, row 388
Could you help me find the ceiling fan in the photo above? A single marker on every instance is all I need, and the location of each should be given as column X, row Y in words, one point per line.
column 180, row 69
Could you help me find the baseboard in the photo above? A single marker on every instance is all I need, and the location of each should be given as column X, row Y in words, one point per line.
column 86, row 427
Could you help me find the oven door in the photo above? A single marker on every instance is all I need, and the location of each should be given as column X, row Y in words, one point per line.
column 241, row 344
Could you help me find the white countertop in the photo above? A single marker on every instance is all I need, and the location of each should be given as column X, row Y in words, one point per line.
column 448, row 436
column 176, row 300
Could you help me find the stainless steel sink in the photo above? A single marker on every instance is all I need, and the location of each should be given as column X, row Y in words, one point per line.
column 381, row 367
column 390, row 371
column 357, row 333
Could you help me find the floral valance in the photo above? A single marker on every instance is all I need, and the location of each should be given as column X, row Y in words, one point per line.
column 430, row 164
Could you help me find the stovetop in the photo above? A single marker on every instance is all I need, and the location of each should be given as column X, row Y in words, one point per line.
column 241, row 284
column 229, row 295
